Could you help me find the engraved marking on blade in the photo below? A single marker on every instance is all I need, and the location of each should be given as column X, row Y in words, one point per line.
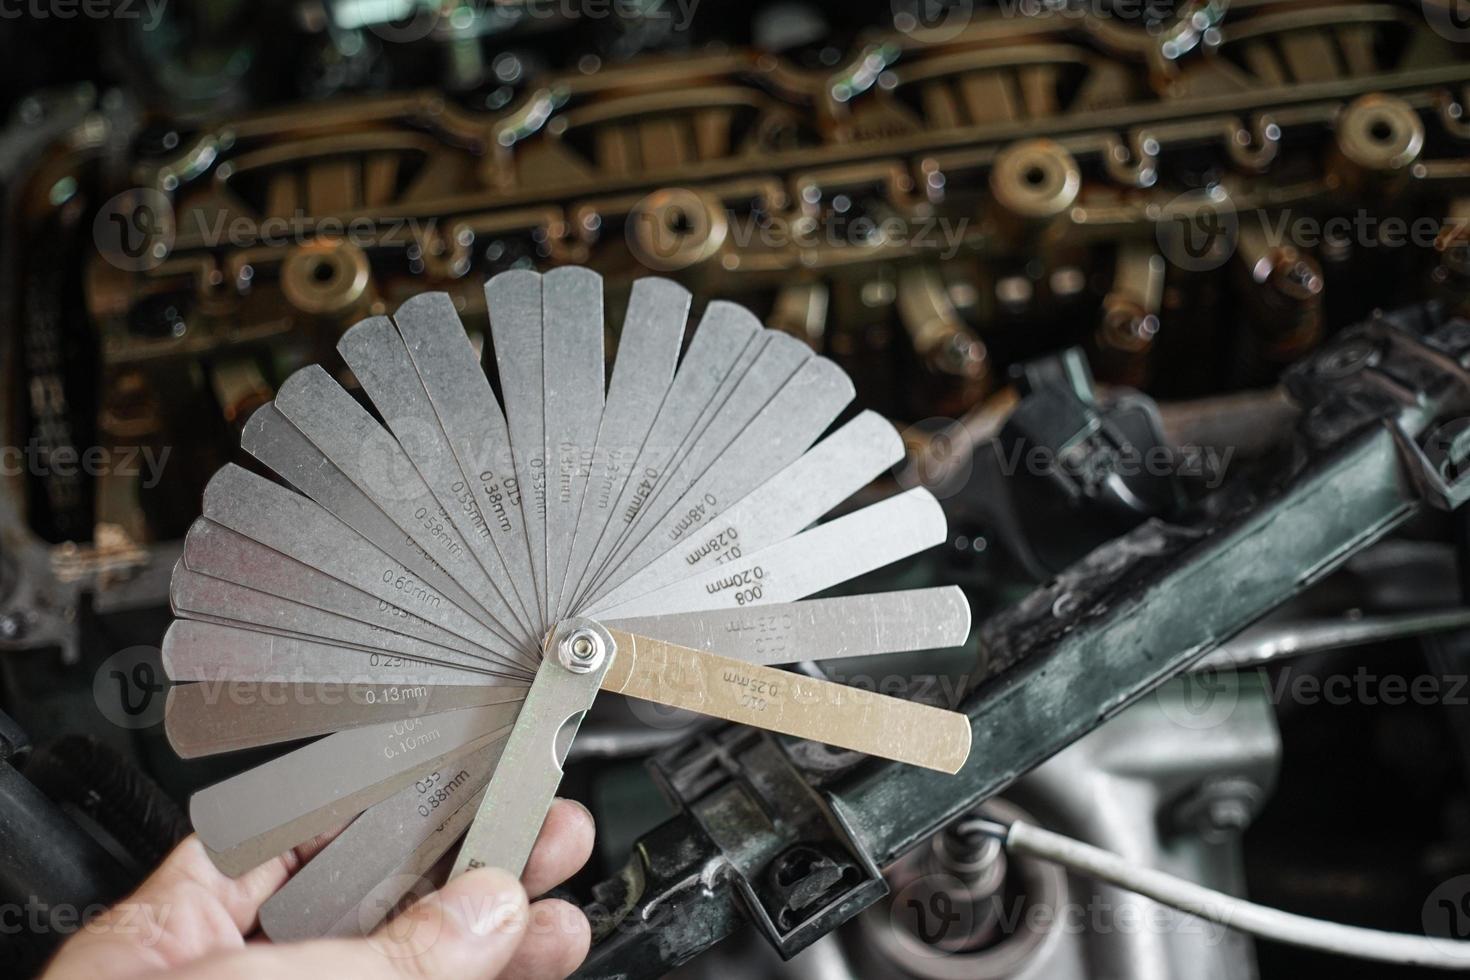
column 792, row 704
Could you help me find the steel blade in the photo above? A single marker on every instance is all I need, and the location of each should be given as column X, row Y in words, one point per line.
column 449, row 369
column 380, row 362
column 814, row 560
column 791, row 704
column 826, row 475
column 300, row 529
column 779, row 434
column 352, row 884
column 374, row 461
column 263, row 811
column 648, row 349
column 779, row 358
column 817, row 629
column 225, row 716
column 722, row 348
column 514, row 302
column 573, row 368
column 195, row 595
column 195, row 651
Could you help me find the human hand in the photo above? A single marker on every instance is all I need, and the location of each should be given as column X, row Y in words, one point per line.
column 189, row 920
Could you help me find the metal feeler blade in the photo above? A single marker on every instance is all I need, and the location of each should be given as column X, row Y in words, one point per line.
column 577, row 654
column 195, row 595
column 825, row 475
column 271, row 808
column 647, row 352
column 817, row 629
column 212, row 717
column 351, row 885
column 573, row 366
column 449, row 368
column 800, row 566
column 715, row 353
column 377, row 464
column 379, row 359
column 779, row 358
column 513, row 300
column 215, row 551
column 761, row 368
column 301, row 529
column 778, row 435
column 788, row 703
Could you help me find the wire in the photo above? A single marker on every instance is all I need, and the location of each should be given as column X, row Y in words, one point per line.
column 1236, row 913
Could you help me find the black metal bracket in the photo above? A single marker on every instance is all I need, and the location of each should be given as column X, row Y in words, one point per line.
column 1077, row 650
column 803, row 874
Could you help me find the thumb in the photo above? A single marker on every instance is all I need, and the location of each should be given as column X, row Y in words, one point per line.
column 466, row 931
column 469, row 928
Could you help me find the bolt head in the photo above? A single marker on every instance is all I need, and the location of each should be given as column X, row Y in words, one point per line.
column 582, row 650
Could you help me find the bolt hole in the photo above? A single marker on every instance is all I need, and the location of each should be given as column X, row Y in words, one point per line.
column 1034, row 175
column 1381, row 130
column 323, row 272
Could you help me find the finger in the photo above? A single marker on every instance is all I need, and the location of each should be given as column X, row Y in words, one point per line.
column 562, row 847
column 184, row 910
column 469, row 928
column 556, row 942
column 189, row 869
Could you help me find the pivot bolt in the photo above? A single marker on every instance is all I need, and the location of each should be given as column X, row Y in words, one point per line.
column 582, row 650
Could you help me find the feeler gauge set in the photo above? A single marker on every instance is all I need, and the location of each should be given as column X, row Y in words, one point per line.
column 442, row 595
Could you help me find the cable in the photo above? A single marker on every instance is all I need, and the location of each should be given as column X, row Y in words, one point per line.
column 1236, row 913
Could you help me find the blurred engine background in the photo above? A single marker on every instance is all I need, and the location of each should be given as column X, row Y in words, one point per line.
column 1104, row 229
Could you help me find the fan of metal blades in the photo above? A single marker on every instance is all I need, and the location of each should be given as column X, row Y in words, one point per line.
column 451, row 586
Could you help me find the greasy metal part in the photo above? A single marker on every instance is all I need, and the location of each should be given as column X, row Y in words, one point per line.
column 687, row 163
column 1107, row 630
column 1125, row 337
column 1270, row 642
